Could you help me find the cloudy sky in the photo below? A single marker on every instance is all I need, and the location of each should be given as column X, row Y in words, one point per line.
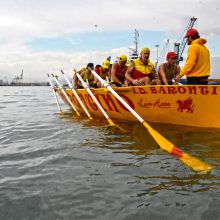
column 42, row 36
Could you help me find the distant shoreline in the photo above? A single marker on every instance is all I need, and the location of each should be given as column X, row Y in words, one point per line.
column 25, row 84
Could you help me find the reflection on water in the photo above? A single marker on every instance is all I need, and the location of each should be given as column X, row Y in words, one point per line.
column 60, row 166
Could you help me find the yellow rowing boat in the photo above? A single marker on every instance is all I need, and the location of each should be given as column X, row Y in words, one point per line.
column 193, row 105
column 145, row 103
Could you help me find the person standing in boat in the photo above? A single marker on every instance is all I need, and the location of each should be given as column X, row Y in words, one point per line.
column 118, row 71
column 103, row 72
column 169, row 70
column 141, row 71
column 197, row 66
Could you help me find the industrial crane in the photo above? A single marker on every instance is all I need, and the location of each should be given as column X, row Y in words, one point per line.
column 179, row 47
column 162, row 54
column 18, row 79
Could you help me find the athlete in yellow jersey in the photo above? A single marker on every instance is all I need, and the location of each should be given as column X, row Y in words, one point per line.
column 87, row 74
column 197, row 66
column 103, row 72
column 142, row 71
column 77, row 84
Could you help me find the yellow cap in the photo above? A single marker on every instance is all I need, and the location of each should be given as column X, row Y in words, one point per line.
column 123, row 57
column 145, row 50
column 83, row 69
column 106, row 64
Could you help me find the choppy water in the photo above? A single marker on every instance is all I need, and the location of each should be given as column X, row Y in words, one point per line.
column 56, row 166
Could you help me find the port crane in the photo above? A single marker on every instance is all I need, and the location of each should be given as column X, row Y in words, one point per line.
column 162, row 53
column 179, row 47
column 18, row 79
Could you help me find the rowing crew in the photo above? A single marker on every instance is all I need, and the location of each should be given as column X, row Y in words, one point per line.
column 141, row 71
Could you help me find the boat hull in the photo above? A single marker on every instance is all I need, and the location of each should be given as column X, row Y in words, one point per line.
column 192, row 105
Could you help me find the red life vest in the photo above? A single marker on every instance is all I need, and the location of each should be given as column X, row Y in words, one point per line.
column 120, row 72
column 102, row 72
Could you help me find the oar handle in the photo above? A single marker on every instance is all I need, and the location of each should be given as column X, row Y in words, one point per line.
column 69, row 83
column 66, row 96
column 67, row 80
column 54, row 93
column 77, row 96
column 86, row 86
column 192, row 162
column 107, row 85
column 51, row 84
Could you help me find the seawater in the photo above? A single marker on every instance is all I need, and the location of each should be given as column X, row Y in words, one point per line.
column 55, row 166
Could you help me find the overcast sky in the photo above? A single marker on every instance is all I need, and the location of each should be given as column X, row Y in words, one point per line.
column 42, row 36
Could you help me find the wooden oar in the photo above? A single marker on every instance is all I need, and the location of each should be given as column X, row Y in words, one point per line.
column 86, row 86
column 54, row 93
column 64, row 93
column 77, row 96
column 192, row 162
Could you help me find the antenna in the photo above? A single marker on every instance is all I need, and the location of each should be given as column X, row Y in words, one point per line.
column 21, row 77
column 136, row 38
column 134, row 51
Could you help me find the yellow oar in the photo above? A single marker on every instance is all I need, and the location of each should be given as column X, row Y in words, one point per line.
column 192, row 162
column 64, row 93
column 77, row 96
column 55, row 96
column 86, row 86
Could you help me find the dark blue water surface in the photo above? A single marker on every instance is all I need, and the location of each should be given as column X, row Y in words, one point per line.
column 56, row 166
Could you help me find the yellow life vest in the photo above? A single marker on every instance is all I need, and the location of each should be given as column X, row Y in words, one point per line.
column 88, row 76
column 142, row 70
column 103, row 74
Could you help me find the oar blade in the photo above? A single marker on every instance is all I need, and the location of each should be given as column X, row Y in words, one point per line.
column 192, row 162
column 111, row 123
column 195, row 164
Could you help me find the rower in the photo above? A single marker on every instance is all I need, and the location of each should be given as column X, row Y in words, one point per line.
column 118, row 71
column 76, row 82
column 168, row 71
column 142, row 71
column 87, row 74
column 103, row 72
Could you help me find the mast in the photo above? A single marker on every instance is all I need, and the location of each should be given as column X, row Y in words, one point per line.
column 179, row 47
column 21, row 78
column 134, row 51
column 136, row 38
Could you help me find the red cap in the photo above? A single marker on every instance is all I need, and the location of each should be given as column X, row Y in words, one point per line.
column 171, row 55
column 191, row 32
